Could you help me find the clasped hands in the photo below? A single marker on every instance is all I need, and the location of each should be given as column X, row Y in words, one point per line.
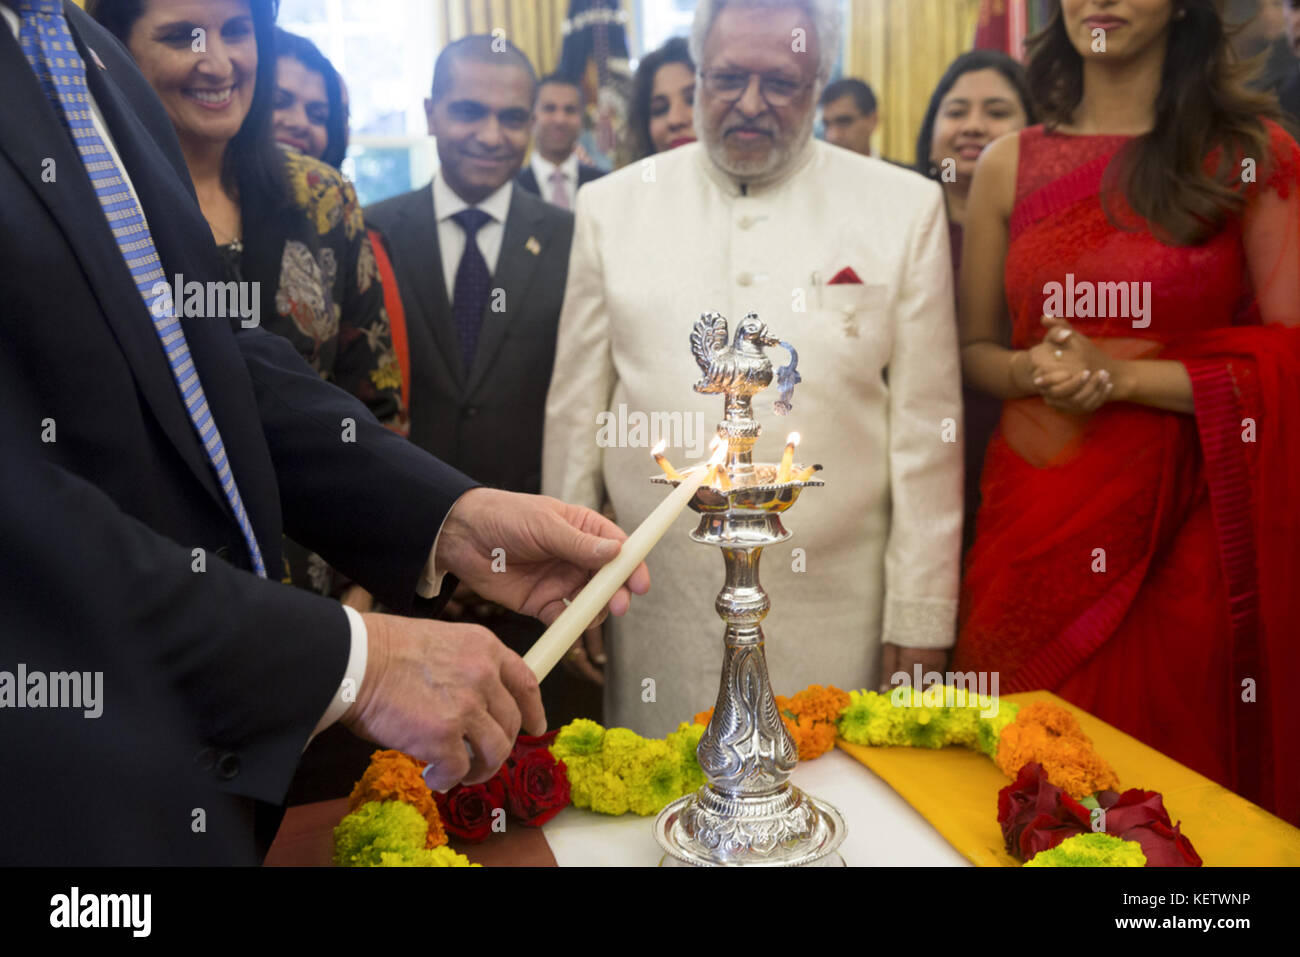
column 429, row 686
column 1067, row 370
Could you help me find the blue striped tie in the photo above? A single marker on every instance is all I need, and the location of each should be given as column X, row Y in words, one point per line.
column 50, row 49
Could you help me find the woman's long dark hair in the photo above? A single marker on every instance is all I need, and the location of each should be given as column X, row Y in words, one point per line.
column 970, row 62
column 253, row 167
column 309, row 55
column 676, row 50
column 1202, row 106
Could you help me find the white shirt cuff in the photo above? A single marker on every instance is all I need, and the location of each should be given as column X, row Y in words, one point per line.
column 353, row 674
column 431, row 580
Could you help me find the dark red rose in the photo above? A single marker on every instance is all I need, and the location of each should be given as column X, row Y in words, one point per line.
column 1036, row 815
column 538, row 787
column 466, row 809
column 527, row 743
column 1138, row 815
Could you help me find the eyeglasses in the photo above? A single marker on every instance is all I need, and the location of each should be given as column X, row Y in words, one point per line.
column 730, row 85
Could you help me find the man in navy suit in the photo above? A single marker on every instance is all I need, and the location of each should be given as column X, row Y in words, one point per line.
column 481, row 265
column 121, row 551
column 555, row 172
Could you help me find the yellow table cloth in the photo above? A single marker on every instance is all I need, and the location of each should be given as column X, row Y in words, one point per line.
column 956, row 790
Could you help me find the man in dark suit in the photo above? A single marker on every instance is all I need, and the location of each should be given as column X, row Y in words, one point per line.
column 481, row 266
column 152, row 462
column 555, row 172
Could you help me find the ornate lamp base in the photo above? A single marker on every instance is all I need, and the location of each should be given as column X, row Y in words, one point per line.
column 787, row 828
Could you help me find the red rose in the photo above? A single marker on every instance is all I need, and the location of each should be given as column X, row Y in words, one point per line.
column 538, row 787
column 1036, row 815
column 1138, row 815
column 466, row 809
column 527, row 743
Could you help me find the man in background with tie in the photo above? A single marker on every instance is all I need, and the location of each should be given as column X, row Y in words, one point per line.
column 481, row 266
column 556, row 171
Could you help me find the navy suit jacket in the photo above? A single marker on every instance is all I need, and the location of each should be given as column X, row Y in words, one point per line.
column 107, row 498
column 489, row 419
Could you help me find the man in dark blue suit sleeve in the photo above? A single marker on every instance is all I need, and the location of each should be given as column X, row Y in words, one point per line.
column 122, row 558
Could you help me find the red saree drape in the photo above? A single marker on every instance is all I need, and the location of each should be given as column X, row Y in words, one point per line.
column 1144, row 564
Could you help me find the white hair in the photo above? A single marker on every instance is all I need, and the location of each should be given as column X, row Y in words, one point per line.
column 824, row 14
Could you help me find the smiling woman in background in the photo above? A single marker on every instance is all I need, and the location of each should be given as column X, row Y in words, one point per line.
column 981, row 96
column 279, row 217
column 309, row 112
column 662, row 116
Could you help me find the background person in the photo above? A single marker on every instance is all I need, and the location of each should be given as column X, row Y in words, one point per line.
column 850, row 115
column 309, row 110
column 481, row 265
column 556, row 170
column 981, row 96
column 280, row 218
column 662, row 115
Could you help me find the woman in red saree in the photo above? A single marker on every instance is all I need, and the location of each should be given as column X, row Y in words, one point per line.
column 1138, row 547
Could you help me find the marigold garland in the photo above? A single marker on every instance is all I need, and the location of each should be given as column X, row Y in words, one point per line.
column 389, row 834
column 616, row 770
column 394, row 821
column 941, row 715
column 394, row 776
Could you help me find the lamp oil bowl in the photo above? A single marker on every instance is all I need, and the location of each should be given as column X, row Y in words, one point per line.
column 748, row 813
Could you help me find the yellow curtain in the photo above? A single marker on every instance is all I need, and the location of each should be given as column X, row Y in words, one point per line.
column 531, row 25
column 901, row 48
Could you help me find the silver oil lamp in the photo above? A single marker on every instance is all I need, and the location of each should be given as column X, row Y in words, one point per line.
column 748, row 813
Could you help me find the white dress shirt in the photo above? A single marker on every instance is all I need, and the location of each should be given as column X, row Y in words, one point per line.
column 431, row 580
column 543, row 168
column 451, row 238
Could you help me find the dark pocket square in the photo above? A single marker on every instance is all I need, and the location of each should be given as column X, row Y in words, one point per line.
column 845, row 277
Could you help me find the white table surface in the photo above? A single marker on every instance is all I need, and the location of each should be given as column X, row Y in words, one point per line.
column 884, row 830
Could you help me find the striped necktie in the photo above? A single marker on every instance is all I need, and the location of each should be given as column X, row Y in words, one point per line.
column 49, row 47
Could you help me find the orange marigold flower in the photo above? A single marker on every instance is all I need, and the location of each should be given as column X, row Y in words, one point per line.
column 703, row 717
column 394, row 776
column 820, row 704
column 813, row 738
column 1050, row 735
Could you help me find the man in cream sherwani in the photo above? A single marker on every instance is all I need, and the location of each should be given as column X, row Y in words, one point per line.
column 845, row 257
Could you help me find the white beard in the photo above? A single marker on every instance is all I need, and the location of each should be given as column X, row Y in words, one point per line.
column 773, row 167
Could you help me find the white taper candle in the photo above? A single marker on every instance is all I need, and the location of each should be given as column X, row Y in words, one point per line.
column 574, row 620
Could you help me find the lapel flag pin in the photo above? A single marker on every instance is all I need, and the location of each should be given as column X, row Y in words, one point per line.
column 533, row 246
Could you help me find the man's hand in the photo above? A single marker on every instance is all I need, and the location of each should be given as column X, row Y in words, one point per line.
column 431, row 686
column 529, row 552
column 896, row 658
